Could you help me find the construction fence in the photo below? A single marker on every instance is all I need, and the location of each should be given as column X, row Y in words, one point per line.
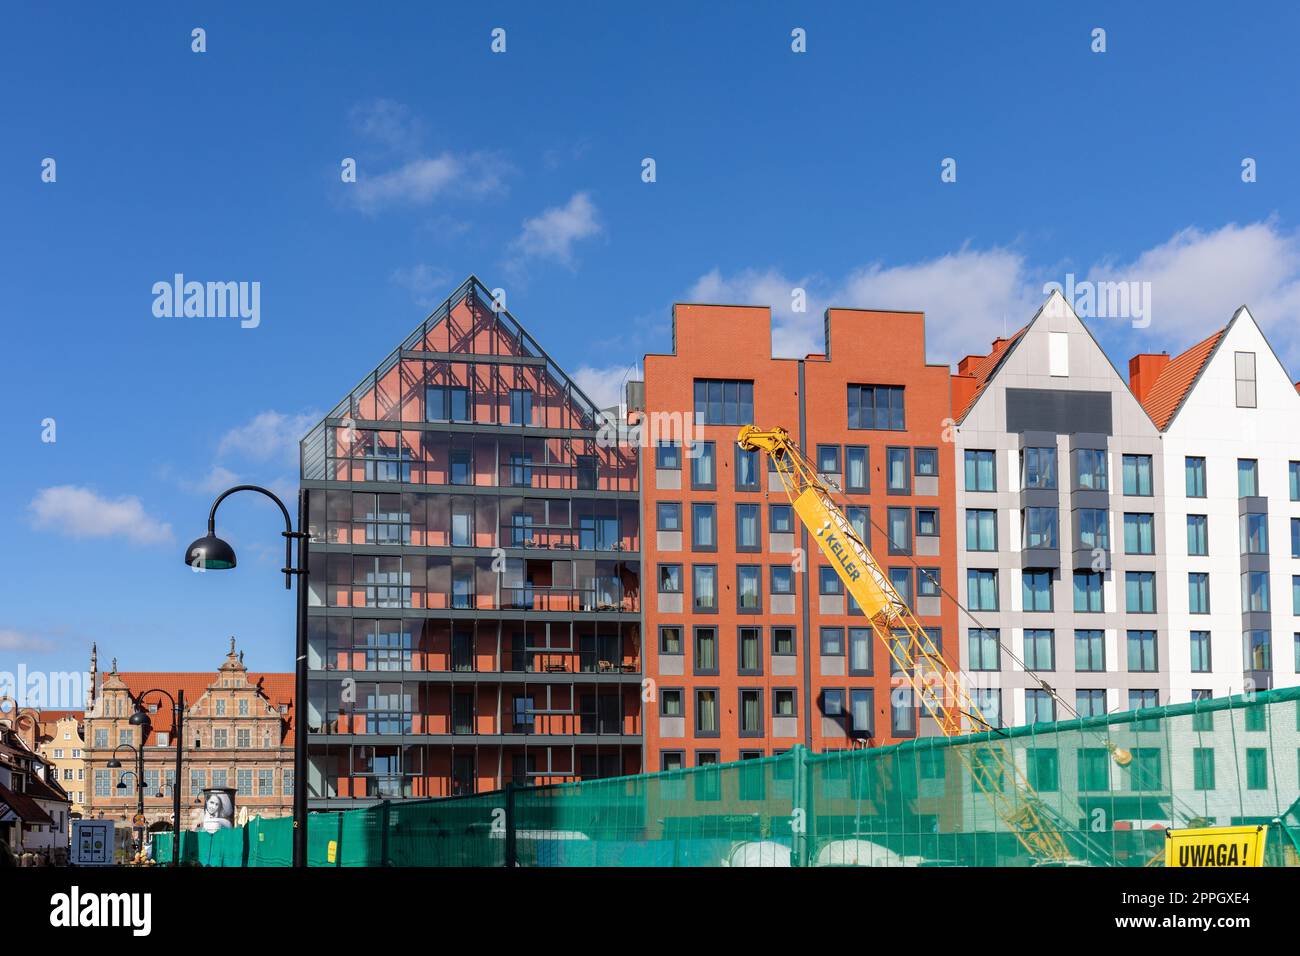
column 1097, row 791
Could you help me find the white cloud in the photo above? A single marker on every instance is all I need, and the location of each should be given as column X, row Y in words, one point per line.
column 428, row 286
column 552, row 233
column 606, row 386
column 11, row 640
column 269, row 437
column 1198, row 279
column 965, row 294
column 82, row 513
column 388, row 124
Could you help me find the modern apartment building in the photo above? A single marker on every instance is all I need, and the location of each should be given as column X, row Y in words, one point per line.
column 751, row 643
column 1061, row 534
column 1230, row 422
column 238, row 734
column 475, row 612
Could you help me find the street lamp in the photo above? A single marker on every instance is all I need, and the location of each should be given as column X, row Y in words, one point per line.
column 140, row 718
column 138, row 773
column 211, row 553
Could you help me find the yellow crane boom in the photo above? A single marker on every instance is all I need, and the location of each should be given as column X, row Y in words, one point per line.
column 937, row 686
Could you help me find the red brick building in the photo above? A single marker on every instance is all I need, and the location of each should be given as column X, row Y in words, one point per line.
column 751, row 643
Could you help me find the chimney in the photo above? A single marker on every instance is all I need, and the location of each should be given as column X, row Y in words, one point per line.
column 967, row 365
column 963, row 390
column 1143, row 370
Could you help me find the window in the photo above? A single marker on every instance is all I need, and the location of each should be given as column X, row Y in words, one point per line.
column 902, row 713
column 1139, row 699
column 1040, row 526
column 1254, row 534
column 861, row 710
column 1140, row 592
column 783, row 702
column 265, row 783
column 901, row 579
column 703, row 474
column 1145, row 772
column 521, row 406
column 832, row 641
column 704, row 527
column 706, row 713
column 746, row 469
column 980, row 471
column 219, row 738
column 1198, row 536
column 1256, row 768
column 1094, row 528
column 1293, row 473
column 1202, row 768
column 668, row 515
column 1137, row 475
column 747, row 530
column 832, row 702
column 928, row 582
column 876, row 407
column 988, row 700
column 749, row 589
column 221, row 707
column 1195, row 468
column 860, row 522
column 982, row 590
column 828, row 459
column 1090, row 703
column 898, row 478
column 749, row 644
column 927, row 462
column 780, row 519
column 783, row 642
column 462, row 468
column 1037, row 590
column 927, row 523
column 670, row 639
column 782, row 579
column 1042, row 769
column 446, row 403
column 1090, row 469
column 1245, row 371
column 828, row 582
column 101, row 738
column 1039, row 707
column 1089, row 650
column 706, row 650
column 1094, row 768
column 1142, row 651
column 1198, row 593
column 1247, row 478
column 670, row 579
column 984, row 648
column 705, row 586
column 1254, row 591
column 724, row 401
column 1259, row 650
column 860, row 641
column 981, row 529
column 1139, row 534
column 1040, row 649
column 857, row 473
column 1295, row 537
column 751, row 712
column 1038, row 468
column 900, row 530
column 668, row 456
column 243, row 738
column 1200, row 652
column 1295, row 594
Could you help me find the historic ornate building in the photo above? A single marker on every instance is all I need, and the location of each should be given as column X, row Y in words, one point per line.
column 238, row 733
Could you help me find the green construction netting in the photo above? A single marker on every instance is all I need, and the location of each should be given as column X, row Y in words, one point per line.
column 1045, row 794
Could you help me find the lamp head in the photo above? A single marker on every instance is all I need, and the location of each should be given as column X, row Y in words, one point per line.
column 210, row 553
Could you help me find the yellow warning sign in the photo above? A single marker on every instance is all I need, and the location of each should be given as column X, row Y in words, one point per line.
column 331, row 851
column 1216, row 846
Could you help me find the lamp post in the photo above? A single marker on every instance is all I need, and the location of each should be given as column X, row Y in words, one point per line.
column 138, row 773
column 211, row 553
column 140, row 718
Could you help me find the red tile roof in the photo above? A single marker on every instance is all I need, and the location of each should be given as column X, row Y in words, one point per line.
column 24, row 806
column 981, row 369
column 277, row 688
column 1166, row 396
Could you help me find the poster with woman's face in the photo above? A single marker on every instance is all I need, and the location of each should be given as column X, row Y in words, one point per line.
column 218, row 810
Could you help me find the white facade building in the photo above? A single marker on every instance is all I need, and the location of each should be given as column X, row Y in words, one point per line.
column 1230, row 417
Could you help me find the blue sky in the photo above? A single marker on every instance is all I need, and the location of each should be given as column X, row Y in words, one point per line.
column 774, row 169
